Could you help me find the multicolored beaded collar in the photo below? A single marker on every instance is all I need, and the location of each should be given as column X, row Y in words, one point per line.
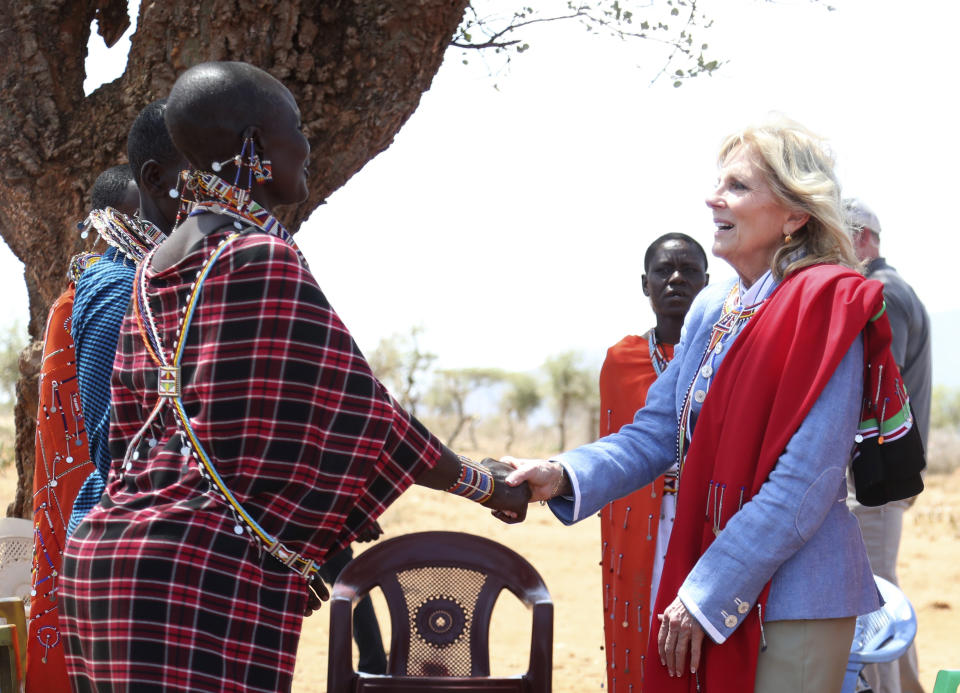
column 212, row 194
column 134, row 237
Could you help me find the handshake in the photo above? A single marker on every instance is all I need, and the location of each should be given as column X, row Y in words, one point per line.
column 514, row 484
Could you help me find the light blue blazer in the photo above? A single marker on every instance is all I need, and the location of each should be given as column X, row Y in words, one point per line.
column 796, row 531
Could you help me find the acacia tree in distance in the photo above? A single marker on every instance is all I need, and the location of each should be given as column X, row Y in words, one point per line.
column 571, row 385
column 449, row 393
column 401, row 364
column 521, row 398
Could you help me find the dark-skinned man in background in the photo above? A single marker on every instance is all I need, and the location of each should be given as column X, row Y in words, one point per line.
column 635, row 530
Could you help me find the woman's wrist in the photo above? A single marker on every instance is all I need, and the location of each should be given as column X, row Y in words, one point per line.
column 558, row 487
column 561, row 486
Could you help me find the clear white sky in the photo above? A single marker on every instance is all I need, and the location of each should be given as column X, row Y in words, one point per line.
column 511, row 222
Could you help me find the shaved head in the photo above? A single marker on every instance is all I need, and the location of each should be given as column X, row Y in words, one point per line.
column 212, row 105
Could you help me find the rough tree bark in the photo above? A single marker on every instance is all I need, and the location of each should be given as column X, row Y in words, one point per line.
column 357, row 68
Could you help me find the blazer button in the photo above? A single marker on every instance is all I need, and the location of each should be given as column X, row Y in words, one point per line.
column 743, row 607
column 730, row 621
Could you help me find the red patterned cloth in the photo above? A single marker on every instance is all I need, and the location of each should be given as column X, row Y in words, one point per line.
column 62, row 464
column 777, row 367
column 160, row 593
column 629, row 525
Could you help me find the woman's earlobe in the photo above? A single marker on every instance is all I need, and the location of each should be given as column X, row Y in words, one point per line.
column 795, row 222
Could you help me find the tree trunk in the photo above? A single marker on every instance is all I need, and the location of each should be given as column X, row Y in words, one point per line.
column 356, row 67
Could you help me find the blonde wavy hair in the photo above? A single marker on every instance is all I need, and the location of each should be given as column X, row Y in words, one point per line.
column 798, row 167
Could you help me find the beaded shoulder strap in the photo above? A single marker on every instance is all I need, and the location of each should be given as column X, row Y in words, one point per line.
column 169, row 390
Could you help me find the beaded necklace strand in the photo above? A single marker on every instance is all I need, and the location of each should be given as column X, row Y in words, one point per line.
column 134, row 237
column 658, row 355
column 732, row 318
column 212, row 194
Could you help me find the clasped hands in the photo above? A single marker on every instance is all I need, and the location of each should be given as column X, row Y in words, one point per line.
column 543, row 479
column 511, row 495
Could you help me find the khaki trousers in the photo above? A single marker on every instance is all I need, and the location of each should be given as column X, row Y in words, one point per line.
column 805, row 656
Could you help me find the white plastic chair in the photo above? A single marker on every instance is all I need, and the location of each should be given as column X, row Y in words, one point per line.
column 16, row 558
column 16, row 562
column 881, row 636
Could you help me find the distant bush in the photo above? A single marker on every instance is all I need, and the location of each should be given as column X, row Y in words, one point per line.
column 945, row 408
column 13, row 338
column 943, row 450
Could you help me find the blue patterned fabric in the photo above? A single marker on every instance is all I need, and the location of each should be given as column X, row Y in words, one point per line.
column 102, row 295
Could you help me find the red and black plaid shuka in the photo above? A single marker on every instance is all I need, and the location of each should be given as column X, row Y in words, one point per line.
column 159, row 592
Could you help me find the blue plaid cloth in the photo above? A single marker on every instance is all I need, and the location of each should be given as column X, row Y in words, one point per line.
column 102, row 295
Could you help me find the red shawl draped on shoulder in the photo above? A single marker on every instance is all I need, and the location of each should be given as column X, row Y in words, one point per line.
column 775, row 371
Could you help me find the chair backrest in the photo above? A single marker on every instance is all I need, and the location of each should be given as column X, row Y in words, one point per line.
column 882, row 635
column 885, row 634
column 16, row 562
column 440, row 588
column 16, row 557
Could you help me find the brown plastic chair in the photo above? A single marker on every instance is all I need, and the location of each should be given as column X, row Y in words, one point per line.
column 440, row 588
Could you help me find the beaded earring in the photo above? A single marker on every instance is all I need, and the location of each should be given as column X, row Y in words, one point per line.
column 262, row 170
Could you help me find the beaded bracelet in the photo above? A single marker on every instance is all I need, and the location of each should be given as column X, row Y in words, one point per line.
column 475, row 482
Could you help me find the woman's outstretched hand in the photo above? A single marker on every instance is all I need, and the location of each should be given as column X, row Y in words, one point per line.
column 679, row 631
column 544, row 477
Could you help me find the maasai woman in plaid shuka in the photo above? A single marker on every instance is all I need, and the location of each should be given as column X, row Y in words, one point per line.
column 165, row 586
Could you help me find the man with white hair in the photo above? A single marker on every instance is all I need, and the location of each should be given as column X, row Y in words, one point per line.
column 881, row 526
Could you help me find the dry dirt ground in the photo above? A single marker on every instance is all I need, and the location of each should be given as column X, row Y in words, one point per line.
column 567, row 558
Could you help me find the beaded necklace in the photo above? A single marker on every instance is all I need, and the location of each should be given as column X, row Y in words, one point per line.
column 658, row 355
column 134, row 237
column 732, row 318
column 214, row 195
